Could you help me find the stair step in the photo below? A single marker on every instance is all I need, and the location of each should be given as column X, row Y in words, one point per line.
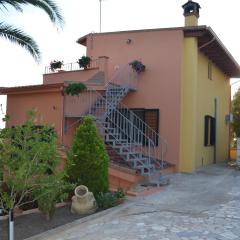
column 117, row 141
column 144, row 167
column 131, row 153
column 113, row 135
column 105, row 108
column 142, row 159
column 125, row 146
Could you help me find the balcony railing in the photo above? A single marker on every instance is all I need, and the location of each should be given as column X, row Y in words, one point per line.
column 71, row 67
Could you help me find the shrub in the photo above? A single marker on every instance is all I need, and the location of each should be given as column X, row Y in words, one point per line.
column 29, row 160
column 74, row 89
column 87, row 159
column 236, row 113
column 106, row 200
column 109, row 199
column 49, row 195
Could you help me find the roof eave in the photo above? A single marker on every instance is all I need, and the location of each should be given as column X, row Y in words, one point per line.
column 31, row 88
column 211, row 46
column 83, row 40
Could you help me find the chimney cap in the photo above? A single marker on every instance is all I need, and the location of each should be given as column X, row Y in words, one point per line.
column 191, row 8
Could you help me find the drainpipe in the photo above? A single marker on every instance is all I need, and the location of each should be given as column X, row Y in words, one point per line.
column 215, row 145
column 207, row 43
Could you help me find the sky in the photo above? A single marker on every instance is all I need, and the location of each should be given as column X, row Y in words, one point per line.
column 82, row 17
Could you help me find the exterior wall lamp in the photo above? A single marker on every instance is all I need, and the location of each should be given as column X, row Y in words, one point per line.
column 129, row 41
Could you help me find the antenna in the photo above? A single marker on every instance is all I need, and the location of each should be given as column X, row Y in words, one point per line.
column 100, row 1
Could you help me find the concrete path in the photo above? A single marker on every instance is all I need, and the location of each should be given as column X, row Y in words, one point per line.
column 200, row 206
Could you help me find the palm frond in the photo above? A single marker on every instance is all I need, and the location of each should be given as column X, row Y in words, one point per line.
column 5, row 3
column 48, row 6
column 17, row 36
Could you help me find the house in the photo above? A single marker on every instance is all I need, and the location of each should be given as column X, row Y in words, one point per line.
column 172, row 113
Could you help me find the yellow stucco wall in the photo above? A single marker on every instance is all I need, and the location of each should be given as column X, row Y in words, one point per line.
column 191, row 20
column 198, row 93
column 188, row 105
column 219, row 88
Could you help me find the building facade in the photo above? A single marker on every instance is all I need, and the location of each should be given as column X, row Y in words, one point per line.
column 178, row 104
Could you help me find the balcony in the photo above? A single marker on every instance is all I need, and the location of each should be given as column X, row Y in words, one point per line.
column 71, row 67
column 72, row 71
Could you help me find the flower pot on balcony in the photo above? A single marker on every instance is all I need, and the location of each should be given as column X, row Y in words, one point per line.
column 84, row 62
column 55, row 65
column 137, row 66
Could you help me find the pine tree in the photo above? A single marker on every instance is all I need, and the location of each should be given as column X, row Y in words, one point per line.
column 87, row 159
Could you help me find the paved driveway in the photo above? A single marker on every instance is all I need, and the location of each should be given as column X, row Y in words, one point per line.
column 205, row 205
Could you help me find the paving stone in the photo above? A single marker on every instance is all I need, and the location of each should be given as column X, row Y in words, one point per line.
column 201, row 206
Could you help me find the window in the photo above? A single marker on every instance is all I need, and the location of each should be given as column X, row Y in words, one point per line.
column 151, row 118
column 209, row 70
column 209, row 131
column 148, row 116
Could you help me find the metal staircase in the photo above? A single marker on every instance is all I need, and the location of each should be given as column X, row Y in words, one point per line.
column 123, row 130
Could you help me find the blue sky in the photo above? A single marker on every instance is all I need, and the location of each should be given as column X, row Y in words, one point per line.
column 82, row 17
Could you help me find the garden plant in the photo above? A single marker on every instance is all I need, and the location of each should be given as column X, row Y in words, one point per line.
column 28, row 168
column 87, row 159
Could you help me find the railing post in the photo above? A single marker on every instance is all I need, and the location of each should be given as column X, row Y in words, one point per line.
column 10, row 225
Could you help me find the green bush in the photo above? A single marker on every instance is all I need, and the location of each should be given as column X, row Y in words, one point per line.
column 236, row 113
column 109, row 199
column 29, row 160
column 50, row 195
column 106, row 200
column 74, row 89
column 87, row 159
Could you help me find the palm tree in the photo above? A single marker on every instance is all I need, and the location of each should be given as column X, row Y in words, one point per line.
column 18, row 36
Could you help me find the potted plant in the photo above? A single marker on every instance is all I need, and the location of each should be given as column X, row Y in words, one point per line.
column 74, row 89
column 84, row 62
column 137, row 66
column 55, row 65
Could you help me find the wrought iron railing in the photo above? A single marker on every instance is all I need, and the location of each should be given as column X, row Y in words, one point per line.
column 122, row 128
column 74, row 66
column 124, row 75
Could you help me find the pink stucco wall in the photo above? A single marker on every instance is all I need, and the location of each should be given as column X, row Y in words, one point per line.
column 49, row 106
column 159, row 86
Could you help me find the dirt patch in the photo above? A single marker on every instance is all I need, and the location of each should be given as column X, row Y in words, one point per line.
column 32, row 224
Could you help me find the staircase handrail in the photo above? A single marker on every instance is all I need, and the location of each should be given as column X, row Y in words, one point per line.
column 149, row 140
column 124, row 75
column 161, row 140
column 101, row 97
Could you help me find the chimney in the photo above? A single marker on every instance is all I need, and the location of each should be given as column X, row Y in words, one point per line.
column 191, row 13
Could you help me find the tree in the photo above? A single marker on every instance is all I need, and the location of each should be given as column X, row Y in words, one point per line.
column 28, row 166
column 18, row 36
column 236, row 113
column 87, row 159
